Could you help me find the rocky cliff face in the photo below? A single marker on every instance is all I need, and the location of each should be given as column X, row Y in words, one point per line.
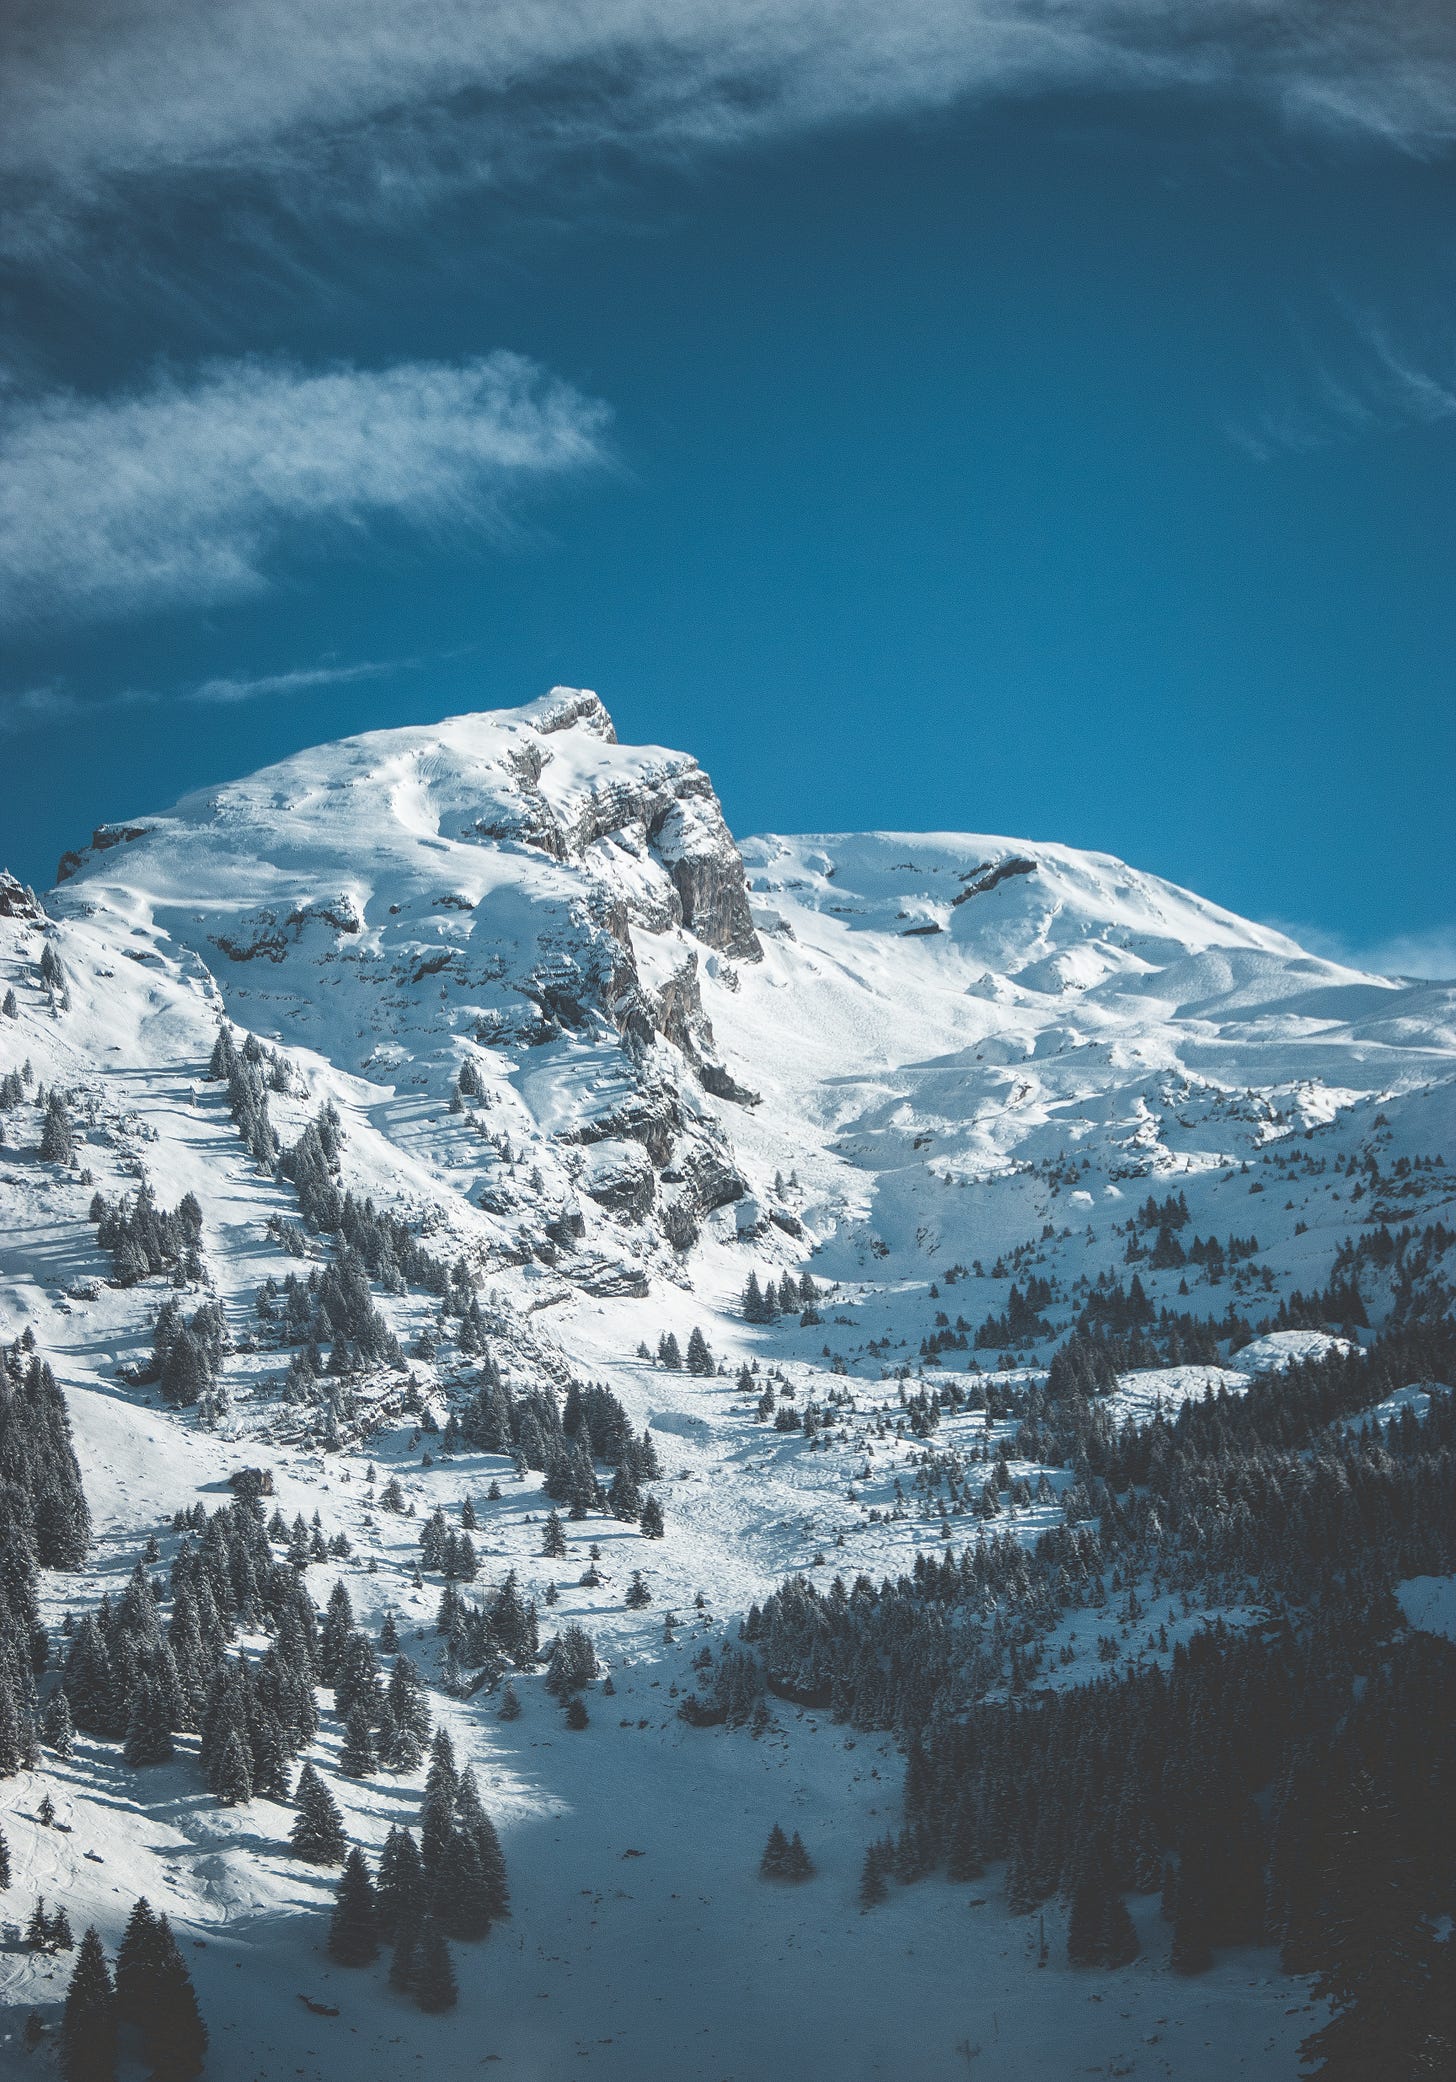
column 516, row 890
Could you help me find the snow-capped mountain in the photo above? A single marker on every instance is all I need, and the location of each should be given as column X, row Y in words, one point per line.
column 583, row 1065
column 882, row 1013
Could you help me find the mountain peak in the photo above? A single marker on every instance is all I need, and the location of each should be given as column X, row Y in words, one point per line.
column 565, row 707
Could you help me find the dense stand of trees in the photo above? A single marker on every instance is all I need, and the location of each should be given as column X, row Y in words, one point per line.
column 44, row 1524
column 144, row 1238
column 1293, row 1784
column 561, row 1441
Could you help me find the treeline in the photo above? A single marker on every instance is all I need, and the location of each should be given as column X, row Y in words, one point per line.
column 44, row 1524
column 1237, row 1499
column 1064, row 1419
column 1294, row 1788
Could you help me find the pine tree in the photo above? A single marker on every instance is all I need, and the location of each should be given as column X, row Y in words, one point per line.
column 402, row 1959
column 57, row 1137
column 1119, row 1939
column 510, row 1705
column 1186, row 1904
column 475, row 1823
column 872, row 1885
column 149, row 1731
column 88, row 2025
column 638, row 1594
column 461, row 1902
column 700, row 1359
column 573, row 1661
column 136, row 1961
column 399, row 1885
column 1099, row 1929
column 356, row 1752
column 353, row 1927
column 433, row 1977
column 772, row 1864
column 173, row 2034
column 652, row 1527
column 553, row 1539
column 57, row 1726
column 577, row 1716
column 437, row 1810
column 4, row 1862
column 231, row 1773
column 318, row 1827
column 798, row 1865
column 963, row 1858
column 624, row 1498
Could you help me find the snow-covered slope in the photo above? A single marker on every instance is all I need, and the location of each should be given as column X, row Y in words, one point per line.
column 923, row 1069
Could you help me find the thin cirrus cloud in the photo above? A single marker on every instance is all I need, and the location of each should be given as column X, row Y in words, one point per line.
column 1380, row 383
column 186, row 492
column 367, row 97
column 48, row 705
column 229, row 693
column 51, row 702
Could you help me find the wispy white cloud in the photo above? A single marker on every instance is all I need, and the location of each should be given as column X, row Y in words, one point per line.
column 1428, row 954
column 1367, row 382
column 400, row 98
column 225, row 693
column 185, row 492
column 52, row 703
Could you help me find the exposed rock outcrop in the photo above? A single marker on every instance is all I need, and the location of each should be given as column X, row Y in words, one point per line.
column 17, row 900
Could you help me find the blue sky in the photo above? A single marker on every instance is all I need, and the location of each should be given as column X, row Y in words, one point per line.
column 1038, row 421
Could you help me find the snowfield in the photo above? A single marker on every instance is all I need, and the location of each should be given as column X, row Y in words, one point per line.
column 926, row 1070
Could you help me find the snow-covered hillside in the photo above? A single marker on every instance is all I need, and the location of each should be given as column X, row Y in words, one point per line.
column 951, row 1100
